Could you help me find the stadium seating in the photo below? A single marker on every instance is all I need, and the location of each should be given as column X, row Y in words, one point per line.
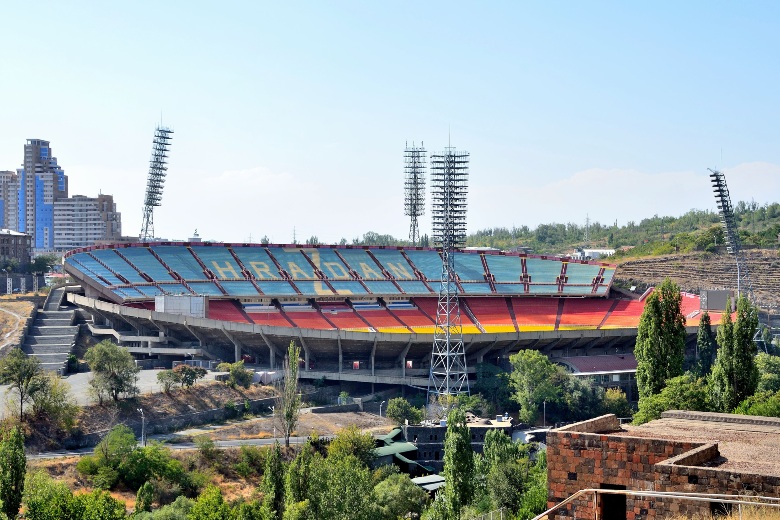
column 91, row 267
column 609, row 274
column 347, row 288
column 382, row 320
column 505, row 268
column 413, row 318
column 293, row 261
column 394, row 263
column 539, row 288
column 469, row 267
column 271, row 318
column 577, row 273
column 476, row 288
column 510, row 288
column 414, row 288
column 535, row 314
column 328, row 262
column 577, row 290
column 127, row 292
column 145, row 262
column 381, row 287
column 492, row 314
column 239, row 288
column 181, row 260
column 313, row 288
column 427, row 262
column 347, row 320
column 219, row 260
column 226, row 310
column 625, row 315
column 205, row 288
column 309, row 320
column 276, row 287
column 116, row 263
column 430, row 305
column 148, row 290
column 257, row 261
column 543, row 271
column 362, row 264
column 174, row 288
column 584, row 313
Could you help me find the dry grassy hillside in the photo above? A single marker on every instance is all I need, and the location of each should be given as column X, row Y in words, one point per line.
column 696, row 271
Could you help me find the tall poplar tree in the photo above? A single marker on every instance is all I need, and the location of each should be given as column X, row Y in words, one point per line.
column 735, row 374
column 459, row 471
column 705, row 347
column 660, row 342
column 13, row 466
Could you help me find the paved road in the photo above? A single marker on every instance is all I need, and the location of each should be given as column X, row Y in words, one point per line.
column 176, row 446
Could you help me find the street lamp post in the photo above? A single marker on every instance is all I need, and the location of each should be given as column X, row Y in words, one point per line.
column 380, row 408
column 143, row 427
column 273, row 415
column 544, row 414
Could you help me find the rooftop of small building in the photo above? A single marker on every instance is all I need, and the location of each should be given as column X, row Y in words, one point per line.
column 746, row 443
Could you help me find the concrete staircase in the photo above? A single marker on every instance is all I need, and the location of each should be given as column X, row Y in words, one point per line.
column 52, row 334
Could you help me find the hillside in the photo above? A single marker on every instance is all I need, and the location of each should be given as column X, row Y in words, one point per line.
column 702, row 270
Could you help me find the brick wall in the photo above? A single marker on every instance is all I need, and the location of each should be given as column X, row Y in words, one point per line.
column 579, row 457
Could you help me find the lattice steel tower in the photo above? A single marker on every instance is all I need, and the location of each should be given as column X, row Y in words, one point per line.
column 449, row 186
column 733, row 245
column 156, row 179
column 414, row 188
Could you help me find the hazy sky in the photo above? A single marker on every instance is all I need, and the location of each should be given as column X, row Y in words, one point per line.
column 295, row 114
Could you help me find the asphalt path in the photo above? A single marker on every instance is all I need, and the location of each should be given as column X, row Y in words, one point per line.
column 173, row 446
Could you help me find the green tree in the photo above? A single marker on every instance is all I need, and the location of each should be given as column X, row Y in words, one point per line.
column 531, row 382
column 45, row 499
column 766, row 404
column 298, row 475
column 341, row 488
column 99, row 505
column 615, row 402
column 288, row 402
column 506, row 483
column 114, row 371
column 705, row 347
column 351, row 441
column 459, row 468
column 399, row 410
column 398, row 497
column 684, row 392
column 168, row 379
column 54, row 403
column 145, row 497
column 769, row 372
column 493, row 383
column 735, row 374
column 13, row 466
column 660, row 342
column 188, row 375
column 23, row 375
column 273, row 481
column 42, row 263
column 210, row 506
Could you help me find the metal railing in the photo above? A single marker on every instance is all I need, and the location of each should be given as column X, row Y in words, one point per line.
column 497, row 514
column 738, row 500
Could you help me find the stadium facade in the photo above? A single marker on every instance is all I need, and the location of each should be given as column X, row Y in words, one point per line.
column 359, row 313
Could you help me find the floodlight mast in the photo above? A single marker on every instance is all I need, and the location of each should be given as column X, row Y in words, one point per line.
column 729, row 222
column 414, row 188
column 449, row 187
column 155, row 180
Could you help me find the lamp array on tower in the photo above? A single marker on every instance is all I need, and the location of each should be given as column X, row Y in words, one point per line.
column 414, row 188
column 156, row 179
column 449, row 187
column 733, row 244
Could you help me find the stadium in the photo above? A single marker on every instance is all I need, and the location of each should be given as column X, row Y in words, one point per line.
column 362, row 314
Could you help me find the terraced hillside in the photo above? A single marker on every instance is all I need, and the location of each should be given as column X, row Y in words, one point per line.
column 696, row 271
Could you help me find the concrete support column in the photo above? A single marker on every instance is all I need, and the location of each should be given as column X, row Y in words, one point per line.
column 341, row 355
column 305, row 351
column 373, row 355
column 237, row 352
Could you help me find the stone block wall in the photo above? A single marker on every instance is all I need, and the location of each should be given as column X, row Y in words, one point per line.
column 581, row 458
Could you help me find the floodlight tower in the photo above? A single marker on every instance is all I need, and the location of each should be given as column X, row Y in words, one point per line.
column 449, row 186
column 414, row 188
column 733, row 245
column 156, row 179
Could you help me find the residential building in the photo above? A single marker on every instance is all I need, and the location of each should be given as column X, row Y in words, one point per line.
column 81, row 221
column 15, row 246
column 9, row 199
column 41, row 183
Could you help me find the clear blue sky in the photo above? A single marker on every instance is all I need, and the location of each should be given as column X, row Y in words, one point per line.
column 295, row 114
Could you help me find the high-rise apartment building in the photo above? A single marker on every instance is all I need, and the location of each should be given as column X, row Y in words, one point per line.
column 81, row 221
column 9, row 199
column 34, row 200
column 42, row 182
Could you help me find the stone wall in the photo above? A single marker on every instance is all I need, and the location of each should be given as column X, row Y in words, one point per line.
column 580, row 457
